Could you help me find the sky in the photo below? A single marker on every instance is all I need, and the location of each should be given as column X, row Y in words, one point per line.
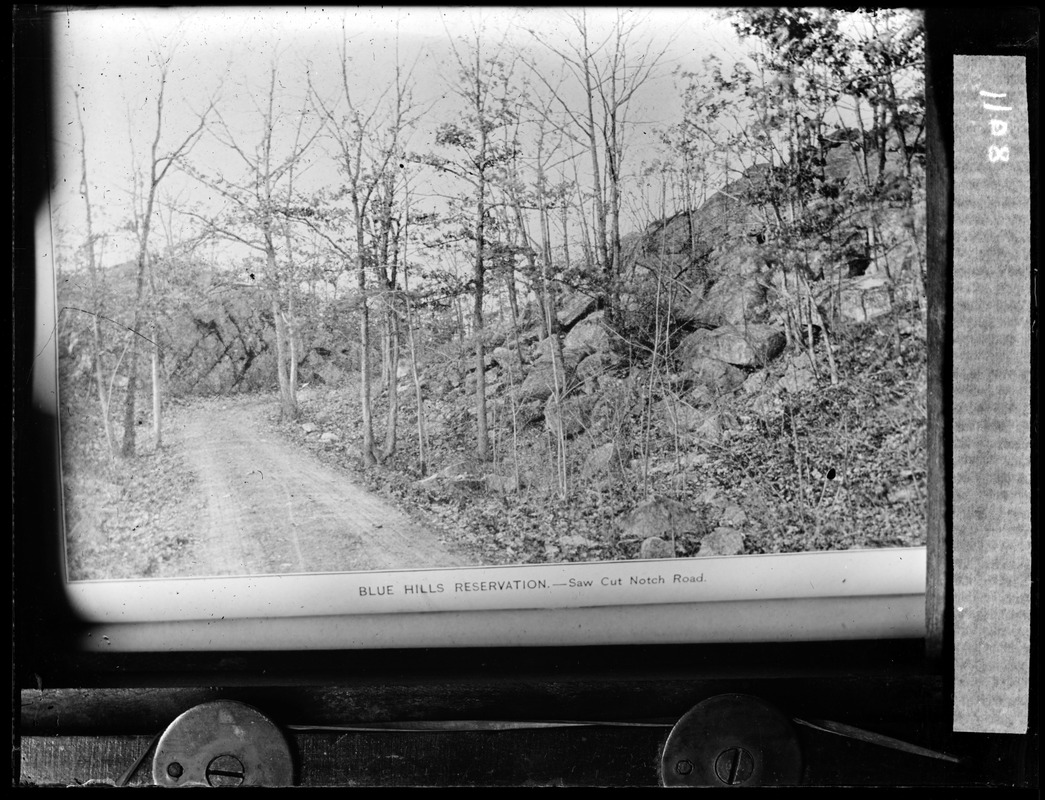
column 110, row 59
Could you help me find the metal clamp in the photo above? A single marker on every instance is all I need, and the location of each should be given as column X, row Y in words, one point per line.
column 732, row 740
column 222, row 743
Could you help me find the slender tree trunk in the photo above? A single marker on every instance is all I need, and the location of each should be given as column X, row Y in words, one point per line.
column 411, row 321
column 129, row 409
column 292, row 361
column 558, row 362
column 565, row 235
column 364, row 344
column 482, row 449
column 292, row 344
column 393, row 387
column 281, row 359
column 129, row 443
column 96, row 294
column 387, row 254
column 157, row 390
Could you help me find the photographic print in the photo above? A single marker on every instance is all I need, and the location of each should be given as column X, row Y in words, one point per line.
column 377, row 289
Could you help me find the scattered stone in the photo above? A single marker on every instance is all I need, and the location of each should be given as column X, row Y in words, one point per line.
column 507, row 359
column 328, row 436
column 797, row 378
column 902, row 494
column 543, row 379
column 575, row 540
column 692, row 346
column 710, row 430
column 709, row 496
column 683, row 419
column 733, row 516
column 456, row 469
column 527, row 414
column 766, row 406
column 865, row 298
column 308, row 427
column 718, row 376
column 748, row 346
column 722, row 542
column 505, row 484
column 661, row 516
column 693, row 460
column 589, row 335
column 569, row 416
column 701, row 396
column 655, row 547
column 490, row 377
column 596, row 365
column 754, row 382
column 574, row 308
column 603, row 460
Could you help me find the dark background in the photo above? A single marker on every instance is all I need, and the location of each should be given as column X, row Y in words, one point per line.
column 79, row 717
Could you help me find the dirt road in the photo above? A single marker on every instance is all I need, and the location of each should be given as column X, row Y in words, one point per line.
column 272, row 507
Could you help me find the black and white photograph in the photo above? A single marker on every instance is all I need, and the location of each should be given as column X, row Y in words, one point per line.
column 380, row 289
column 525, row 396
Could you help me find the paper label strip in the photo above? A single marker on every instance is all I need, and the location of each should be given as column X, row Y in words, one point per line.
column 991, row 395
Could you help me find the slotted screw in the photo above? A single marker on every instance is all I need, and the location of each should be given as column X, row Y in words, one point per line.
column 225, row 771
column 734, row 766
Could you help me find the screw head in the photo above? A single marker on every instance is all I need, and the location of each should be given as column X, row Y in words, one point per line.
column 225, row 771
column 175, row 770
column 684, row 767
column 734, row 766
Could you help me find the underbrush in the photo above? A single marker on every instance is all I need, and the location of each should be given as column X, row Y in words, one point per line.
column 828, row 467
column 124, row 518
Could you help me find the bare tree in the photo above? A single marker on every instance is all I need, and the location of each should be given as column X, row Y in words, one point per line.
column 607, row 73
column 97, row 337
column 261, row 206
column 483, row 85
column 143, row 205
column 368, row 143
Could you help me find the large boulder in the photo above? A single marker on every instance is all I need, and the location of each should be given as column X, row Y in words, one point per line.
column 507, row 358
column 722, row 542
column 655, row 547
column 596, row 365
column 660, row 517
column 865, row 298
column 718, row 376
column 732, row 300
column 588, row 336
column 543, row 379
column 743, row 346
column 574, row 308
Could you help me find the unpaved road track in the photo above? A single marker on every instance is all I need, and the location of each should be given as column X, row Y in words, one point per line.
column 272, row 507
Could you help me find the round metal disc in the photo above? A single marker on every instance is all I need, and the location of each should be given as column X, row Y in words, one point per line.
column 732, row 740
column 222, row 743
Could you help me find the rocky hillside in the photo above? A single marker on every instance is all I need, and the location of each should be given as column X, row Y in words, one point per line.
column 759, row 394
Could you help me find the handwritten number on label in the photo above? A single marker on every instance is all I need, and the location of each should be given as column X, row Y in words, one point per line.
column 999, row 127
column 995, row 153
